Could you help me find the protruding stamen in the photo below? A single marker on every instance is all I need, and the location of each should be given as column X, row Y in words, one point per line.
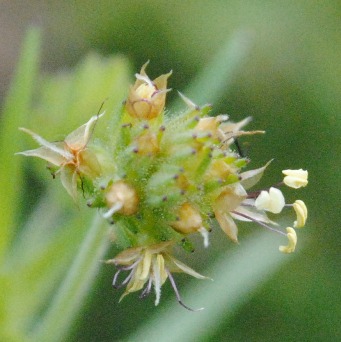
column 115, row 278
column 204, row 233
column 147, row 289
column 259, row 222
column 125, row 281
column 295, row 178
column 171, row 279
column 116, row 207
column 130, row 267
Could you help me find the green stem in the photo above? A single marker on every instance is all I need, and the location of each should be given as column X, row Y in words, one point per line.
column 62, row 312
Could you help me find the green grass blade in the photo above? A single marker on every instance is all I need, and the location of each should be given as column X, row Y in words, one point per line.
column 236, row 276
column 213, row 81
column 15, row 114
column 62, row 312
column 33, row 281
column 52, row 211
column 39, row 259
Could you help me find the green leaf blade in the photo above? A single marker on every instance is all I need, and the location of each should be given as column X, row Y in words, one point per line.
column 62, row 312
column 15, row 114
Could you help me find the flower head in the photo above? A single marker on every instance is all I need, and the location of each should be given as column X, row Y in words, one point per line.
column 295, row 178
column 159, row 182
column 71, row 156
column 150, row 266
column 146, row 98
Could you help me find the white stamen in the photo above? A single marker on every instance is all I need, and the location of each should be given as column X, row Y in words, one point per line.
column 157, row 282
column 177, row 294
column 259, row 222
column 126, row 280
column 115, row 278
column 204, row 234
column 116, row 207
column 147, row 289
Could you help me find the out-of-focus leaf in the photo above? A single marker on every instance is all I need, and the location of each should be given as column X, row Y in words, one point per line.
column 15, row 114
column 213, row 81
column 40, row 226
column 62, row 311
column 236, row 276
column 48, row 241
column 68, row 99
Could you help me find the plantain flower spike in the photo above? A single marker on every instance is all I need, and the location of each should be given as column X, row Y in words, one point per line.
column 295, row 178
column 146, row 99
column 71, row 156
column 292, row 237
column 161, row 179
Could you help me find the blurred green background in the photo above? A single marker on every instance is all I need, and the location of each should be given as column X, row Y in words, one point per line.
column 285, row 73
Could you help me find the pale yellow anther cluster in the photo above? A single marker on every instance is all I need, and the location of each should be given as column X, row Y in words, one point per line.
column 301, row 212
column 292, row 237
column 295, row 178
column 272, row 201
